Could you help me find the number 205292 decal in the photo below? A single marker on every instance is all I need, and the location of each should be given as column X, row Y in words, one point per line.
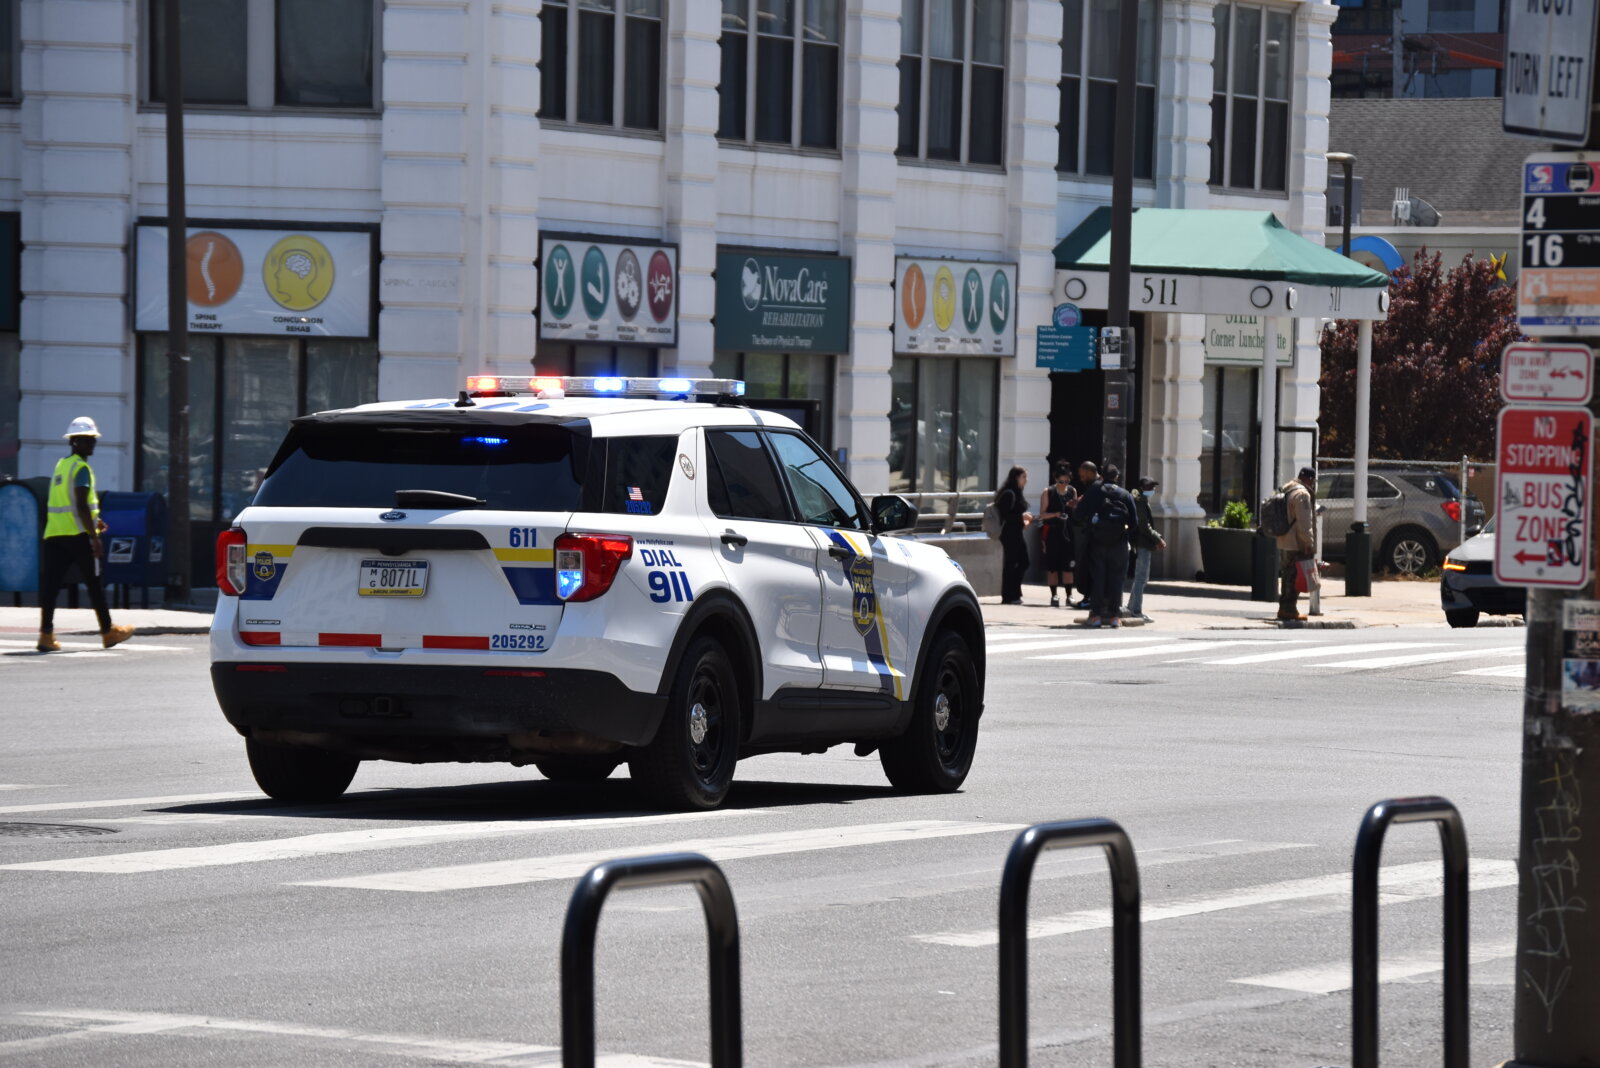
column 533, row 643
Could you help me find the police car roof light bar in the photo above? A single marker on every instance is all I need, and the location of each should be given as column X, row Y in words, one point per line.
column 551, row 386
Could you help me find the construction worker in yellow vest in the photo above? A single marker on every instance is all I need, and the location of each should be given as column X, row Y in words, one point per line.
column 72, row 537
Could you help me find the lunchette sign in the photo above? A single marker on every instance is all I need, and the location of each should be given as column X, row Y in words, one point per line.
column 957, row 307
column 608, row 291
column 782, row 303
column 249, row 281
column 1238, row 340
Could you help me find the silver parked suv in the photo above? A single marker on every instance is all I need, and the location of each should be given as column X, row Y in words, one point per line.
column 1413, row 514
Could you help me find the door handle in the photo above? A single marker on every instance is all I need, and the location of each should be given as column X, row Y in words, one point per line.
column 839, row 552
column 737, row 541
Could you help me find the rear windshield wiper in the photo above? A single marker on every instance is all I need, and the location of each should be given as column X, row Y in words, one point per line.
column 428, row 498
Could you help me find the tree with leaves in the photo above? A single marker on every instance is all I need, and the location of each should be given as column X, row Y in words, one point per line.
column 1435, row 364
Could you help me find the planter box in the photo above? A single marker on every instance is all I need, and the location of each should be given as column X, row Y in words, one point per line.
column 1225, row 555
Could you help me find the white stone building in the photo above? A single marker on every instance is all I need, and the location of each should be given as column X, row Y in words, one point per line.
column 439, row 151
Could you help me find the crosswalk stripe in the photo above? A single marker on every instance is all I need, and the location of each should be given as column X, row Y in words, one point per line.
column 313, row 845
column 1334, row 977
column 94, row 647
column 23, row 786
column 1149, row 650
column 572, row 865
column 1066, row 643
column 1017, row 635
column 1399, row 882
column 1504, row 671
column 121, row 802
column 1329, row 649
column 1423, row 658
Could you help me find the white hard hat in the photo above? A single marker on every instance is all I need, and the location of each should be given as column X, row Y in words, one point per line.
column 82, row 427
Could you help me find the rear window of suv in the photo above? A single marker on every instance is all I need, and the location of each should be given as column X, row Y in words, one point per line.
column 522, row 467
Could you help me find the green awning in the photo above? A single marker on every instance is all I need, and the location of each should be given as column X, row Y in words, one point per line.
column 1201, row 241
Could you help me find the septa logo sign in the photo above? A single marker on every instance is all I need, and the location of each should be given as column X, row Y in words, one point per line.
column 596, row 288
column 560, row 282
column 972, row 301
column 1541, row 178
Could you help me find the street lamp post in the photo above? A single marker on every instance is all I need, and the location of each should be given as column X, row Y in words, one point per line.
column 1358, row 543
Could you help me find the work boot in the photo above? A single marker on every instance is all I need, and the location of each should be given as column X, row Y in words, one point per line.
column 115, row 635
column 48, row 643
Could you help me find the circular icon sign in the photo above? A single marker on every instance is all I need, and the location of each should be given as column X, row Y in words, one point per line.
column 630, row 284
column 659, row 286
column 595, row 285
column 944, row 298
column 972, row 300
column 298, row 272
column 999, row 302
column 913, row 297
column 1068, row 315
column 750, row 285
column 215, row 269
column 1580, row 177
column 560, row 282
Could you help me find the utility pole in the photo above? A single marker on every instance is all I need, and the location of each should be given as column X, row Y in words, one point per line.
column 1358, row 542
column 1396, row 55
column 1117, row 400
column 178, row 548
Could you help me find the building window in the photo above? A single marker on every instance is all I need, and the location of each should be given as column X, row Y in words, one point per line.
column 1228, row 437
column 785, row 89
column 778, row 376
column 1089, row 50
column 952, row 80
column 1250, row 98
column 10, row 402
column 567, row 358
column 600, row 63
column 320, row 54
column 942, row 425
column 10, row 12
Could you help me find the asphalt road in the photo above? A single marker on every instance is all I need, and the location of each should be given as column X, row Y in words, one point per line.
column 188, row 920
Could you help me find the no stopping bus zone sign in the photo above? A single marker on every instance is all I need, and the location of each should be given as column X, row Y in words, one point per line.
column 1546, row 477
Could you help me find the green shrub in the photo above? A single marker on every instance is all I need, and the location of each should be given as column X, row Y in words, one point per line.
column 1236, row 515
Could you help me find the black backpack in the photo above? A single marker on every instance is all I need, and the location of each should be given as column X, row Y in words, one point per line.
column 1112, row 520
column 1273, row 519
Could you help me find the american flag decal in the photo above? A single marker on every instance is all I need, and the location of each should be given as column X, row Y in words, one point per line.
column 634, row 494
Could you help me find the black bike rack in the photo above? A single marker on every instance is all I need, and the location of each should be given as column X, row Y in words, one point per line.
column 1364, row 925
column 577, row 950
column 1014, row 886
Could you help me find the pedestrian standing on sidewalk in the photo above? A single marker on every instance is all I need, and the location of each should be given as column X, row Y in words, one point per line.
column 1055, row 510
column 1088, row 478
column 1014, row 519
column 1109, row 511
column 1297, row 543
column 72, row 537
column 1146, row 540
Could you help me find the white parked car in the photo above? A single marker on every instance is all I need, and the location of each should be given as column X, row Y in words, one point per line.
column 580, row 573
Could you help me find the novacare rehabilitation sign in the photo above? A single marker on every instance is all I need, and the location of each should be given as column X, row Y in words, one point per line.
column 782, row 303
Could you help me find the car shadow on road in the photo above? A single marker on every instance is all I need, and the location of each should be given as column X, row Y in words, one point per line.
column 534, row 800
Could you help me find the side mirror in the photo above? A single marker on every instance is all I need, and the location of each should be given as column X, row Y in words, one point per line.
column 891, row 512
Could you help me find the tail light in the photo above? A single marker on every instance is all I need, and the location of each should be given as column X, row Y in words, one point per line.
column 586, row 564
column 1452, row 509
column 231, row 569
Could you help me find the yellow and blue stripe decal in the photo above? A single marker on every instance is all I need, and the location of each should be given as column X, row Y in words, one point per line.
column 867, row 612
column 264, row 568
column 530, row 585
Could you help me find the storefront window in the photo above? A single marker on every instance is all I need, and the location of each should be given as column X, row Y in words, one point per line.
column 784, row 376
column 942, row 423
column 562, row 358
column 260, row 384
column 1228, row 438
column 154, row 429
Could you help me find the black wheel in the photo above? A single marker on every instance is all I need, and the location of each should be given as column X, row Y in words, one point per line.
column 689, row 763
column 297, row 773
column 935, row 753
column 1461, row 617
column 577, row 768
column 1409, row 551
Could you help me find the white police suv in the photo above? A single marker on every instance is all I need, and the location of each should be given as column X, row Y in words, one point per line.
column 580, row 573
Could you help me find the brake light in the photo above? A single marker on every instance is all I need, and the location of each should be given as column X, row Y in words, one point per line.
column 231, row 561
column 586, row 564
column 1452, row 509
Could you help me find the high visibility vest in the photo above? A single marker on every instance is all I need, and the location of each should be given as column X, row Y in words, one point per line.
column 61, row 515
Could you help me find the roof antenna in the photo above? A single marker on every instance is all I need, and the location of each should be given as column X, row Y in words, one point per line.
column 464, row 401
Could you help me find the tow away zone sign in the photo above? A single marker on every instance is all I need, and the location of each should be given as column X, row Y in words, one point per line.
column 1546, row 477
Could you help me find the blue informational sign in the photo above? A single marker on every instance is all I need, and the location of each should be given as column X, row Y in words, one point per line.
column 1066, row 348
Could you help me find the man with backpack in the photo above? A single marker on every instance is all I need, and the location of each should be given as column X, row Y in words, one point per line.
column 1109, row 511
column 1296, row 537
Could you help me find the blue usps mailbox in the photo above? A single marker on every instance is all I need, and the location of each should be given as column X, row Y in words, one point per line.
column 21, row 525
column 135, row 539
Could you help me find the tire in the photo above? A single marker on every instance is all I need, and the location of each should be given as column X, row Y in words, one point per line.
column 689, row 763
column 577, row 769
column 297, row 773
column 935, row 753
column 1409, row 551
column 1461, row 617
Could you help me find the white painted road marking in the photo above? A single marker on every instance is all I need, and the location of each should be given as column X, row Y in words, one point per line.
column 572, row 865
column 1423, row 658
column 1150, row 650
column 1324, row 650
column 1067, row 643
column 1332, row 978
column 1400, row 882
column 102, row 1022
column 334, row 842
column 66, row 646
column 124, row 802
column 1504, row 671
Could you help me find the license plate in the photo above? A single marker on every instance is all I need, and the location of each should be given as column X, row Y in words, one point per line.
column 393, row 578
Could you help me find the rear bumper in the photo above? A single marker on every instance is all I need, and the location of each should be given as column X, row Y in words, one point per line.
column 432, row 712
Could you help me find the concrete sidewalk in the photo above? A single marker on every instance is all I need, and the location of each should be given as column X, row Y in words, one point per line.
column 79, row 621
